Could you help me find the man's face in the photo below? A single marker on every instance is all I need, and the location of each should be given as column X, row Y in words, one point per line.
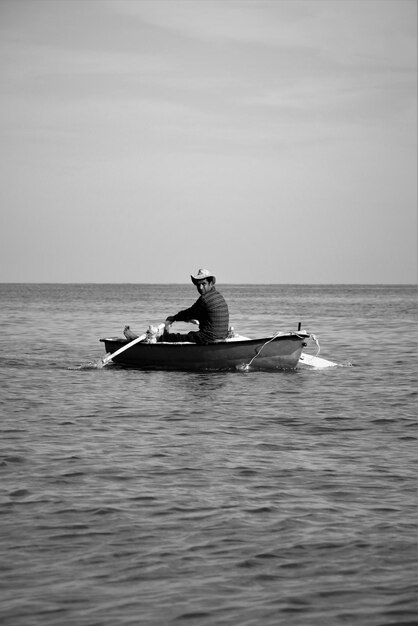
column 203, row 286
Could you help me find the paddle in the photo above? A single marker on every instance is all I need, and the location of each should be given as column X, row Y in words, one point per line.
column 109, row 357
column 315, row 361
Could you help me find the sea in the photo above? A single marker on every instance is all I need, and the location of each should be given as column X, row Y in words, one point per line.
column 244, row 498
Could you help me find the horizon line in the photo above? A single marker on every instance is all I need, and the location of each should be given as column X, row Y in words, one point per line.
column 359, row 284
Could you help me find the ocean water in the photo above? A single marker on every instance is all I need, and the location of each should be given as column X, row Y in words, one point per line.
column 236, row 498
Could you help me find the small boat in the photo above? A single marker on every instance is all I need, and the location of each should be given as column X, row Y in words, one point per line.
column 281, row 351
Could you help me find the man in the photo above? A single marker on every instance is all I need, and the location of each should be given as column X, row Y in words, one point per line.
column 210, row 310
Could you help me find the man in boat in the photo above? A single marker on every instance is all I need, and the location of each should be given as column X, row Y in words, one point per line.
column 210, row 310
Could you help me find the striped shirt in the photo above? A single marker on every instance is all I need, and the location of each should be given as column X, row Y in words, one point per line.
column 212, row 312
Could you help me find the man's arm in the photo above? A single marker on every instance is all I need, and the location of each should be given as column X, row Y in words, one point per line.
column 192, row 313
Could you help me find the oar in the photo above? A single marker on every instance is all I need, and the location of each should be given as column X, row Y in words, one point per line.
column 315, row 361
column 109, row 357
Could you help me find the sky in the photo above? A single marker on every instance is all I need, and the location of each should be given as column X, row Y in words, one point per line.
column 270, row 141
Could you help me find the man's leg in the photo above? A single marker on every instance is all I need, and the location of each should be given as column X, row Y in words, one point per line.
column 191, row 337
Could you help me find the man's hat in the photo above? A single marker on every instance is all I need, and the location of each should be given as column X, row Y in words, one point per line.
column 202, row 275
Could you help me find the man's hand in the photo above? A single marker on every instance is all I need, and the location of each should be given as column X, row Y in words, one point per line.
column 169, row 319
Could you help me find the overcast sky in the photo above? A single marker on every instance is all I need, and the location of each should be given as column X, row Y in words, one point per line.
column 271, row 141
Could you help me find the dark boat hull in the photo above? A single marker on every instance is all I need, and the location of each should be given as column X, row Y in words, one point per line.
column 282, row 352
